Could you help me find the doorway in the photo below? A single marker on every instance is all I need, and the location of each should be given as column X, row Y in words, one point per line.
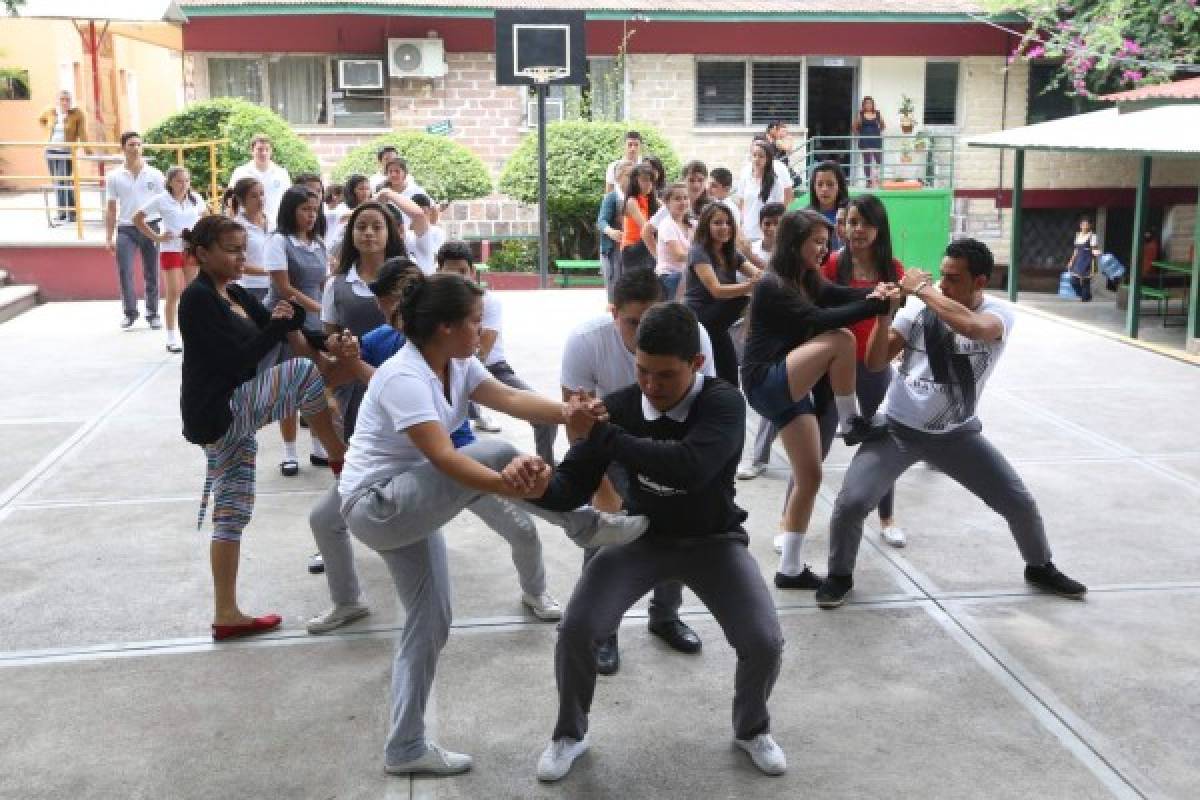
column 830, row 93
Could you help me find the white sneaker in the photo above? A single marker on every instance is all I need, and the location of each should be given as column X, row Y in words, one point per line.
column 894, row 535
column 485, row 424
column 558, row 757
column 336, row 617
column 765, row 753
column 543, row 605
column 435, row 761
column 778, row 542
column 613, row 529
column 748, row 472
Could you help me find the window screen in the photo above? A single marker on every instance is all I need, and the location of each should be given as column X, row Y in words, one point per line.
column 775, row 89
column 941, row 93
column 720, row 93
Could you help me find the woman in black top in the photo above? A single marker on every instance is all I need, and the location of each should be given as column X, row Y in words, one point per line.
column 223, row 401
column 719, row 280
column 795, row 337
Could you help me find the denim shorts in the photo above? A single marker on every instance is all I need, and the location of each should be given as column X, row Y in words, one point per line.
column 772, row 399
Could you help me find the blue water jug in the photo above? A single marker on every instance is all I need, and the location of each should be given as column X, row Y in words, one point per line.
column 1065, row 289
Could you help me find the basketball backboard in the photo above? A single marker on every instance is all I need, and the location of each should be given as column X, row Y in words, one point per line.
column 528, row 40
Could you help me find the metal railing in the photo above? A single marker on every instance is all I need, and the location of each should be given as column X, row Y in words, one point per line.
column 102, row 154
column 924, row 158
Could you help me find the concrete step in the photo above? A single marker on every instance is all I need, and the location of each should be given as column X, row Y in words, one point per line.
column 16, row 300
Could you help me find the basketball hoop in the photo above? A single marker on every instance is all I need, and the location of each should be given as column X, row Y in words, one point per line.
column 543, row 75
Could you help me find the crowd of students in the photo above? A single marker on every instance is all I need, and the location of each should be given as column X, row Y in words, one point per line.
column 351, row 310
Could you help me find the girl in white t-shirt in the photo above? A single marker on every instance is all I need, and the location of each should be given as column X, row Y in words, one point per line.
column 404, row 479
column 179, row 209
column 247, row 205
column 759, row 187
column 673, row 238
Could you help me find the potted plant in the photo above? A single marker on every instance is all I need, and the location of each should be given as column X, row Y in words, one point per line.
column 907, row 123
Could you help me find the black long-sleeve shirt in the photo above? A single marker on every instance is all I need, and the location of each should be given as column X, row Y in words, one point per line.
column 681, row 474
column 781, row 319
column 221, row 351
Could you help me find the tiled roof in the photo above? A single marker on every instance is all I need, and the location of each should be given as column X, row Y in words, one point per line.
column 914, row 8
column 1179, row 90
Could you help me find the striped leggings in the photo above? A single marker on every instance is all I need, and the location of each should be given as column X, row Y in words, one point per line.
column 295, row 385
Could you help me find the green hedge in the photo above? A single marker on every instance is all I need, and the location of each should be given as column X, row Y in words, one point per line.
column 577, row 155
column 233, row 119
column 445, row 168
column 514, row 255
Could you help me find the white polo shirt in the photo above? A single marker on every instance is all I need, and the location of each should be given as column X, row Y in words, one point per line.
column 133, row 192
column 493, row 320
column 423, row 249
column 404, row 392
column 256, row 253
column 176, row 217
column 595, row 359
column 275, row 181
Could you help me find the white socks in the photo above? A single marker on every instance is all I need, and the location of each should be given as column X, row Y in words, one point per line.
column 289, row 451
column 789, row 562
column 847, row 407
column 317, row 449
column 172, row 336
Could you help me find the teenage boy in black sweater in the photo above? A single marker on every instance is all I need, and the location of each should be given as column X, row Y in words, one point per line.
column 679, row 436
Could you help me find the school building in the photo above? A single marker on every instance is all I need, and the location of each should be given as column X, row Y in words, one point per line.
column 707, row 73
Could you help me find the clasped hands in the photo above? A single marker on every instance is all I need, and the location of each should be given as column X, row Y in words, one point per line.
column 528, row 476
column 896, row 293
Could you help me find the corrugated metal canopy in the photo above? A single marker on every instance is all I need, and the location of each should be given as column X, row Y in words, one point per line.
column 1163, row 131
column 932, row 8
column 122, row 11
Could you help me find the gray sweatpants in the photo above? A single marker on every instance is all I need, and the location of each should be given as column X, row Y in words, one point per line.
column 130, row 241
column 964, row 455
column 514, row 525
column 401, row 519
column 543, row 434
column 727, row 580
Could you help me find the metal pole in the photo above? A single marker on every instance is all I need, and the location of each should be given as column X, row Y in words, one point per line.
column 1134, row 310
column 543, row 225
column 212, row 172
column 1014, row 236
column 1193, row 315
column 76, row 185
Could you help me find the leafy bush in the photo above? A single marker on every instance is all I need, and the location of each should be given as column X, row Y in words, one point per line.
column 233, row 119
column 577, row 155
column 514, row 255
column 446, row 169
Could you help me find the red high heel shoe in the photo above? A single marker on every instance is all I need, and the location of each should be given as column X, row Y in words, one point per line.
column 257, row 625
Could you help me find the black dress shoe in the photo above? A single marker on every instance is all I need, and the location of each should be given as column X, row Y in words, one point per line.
column 608, row 656
column 807, row 579
column 289, row 468
column 317, row 461
column 316, row 564
column 677, row 634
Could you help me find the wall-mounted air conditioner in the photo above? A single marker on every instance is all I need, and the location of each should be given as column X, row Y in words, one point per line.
column 554, row 111
column 360, row 74
column 416, row 58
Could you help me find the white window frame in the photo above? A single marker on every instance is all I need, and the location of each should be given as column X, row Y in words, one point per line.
column 748, row 101
column 958, row 99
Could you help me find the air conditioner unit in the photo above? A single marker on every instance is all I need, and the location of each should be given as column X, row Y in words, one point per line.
column 360, row 74
column 554, row 111
column 416, row 58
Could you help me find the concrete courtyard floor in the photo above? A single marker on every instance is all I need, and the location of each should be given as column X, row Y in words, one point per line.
column 944, row 678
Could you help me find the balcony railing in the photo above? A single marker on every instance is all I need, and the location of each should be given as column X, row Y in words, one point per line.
column 917, row 160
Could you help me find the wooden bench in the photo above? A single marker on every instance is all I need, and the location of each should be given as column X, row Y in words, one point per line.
column 579, row 273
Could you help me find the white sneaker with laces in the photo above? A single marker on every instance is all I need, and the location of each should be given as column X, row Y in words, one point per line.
column 765, row 753
column 558, row 757
column 336, row 617
column 543, row 605
column 613, row 528
column 434, row 761
column 778, row 542
column 486, row 424
column 748, row 472
column 894, row 535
